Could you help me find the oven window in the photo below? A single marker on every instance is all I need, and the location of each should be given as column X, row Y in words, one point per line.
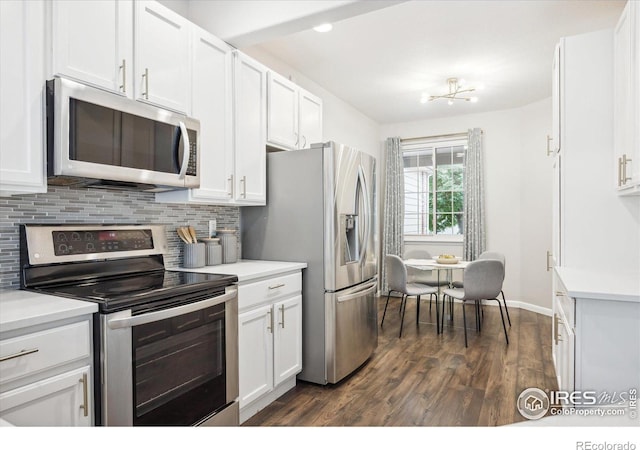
column 179, row 368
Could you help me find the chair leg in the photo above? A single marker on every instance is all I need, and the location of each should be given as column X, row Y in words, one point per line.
column 430, row 298
column 417, row 310
column 505, row 307
column 403, row 307
column 504, row 326
column 437, row 315
column 477, row 308
column 384, row 313
column 464, row 321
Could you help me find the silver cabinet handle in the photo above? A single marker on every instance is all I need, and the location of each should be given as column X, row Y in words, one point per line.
column 620, row 182
column 19, row 354
column 625, row 160
column 549, row 254
column 187, row 150
column 123, row 86
column 243, row 180
column 282, row 314
column 230, row 180
column 549, row 139
column 556, row 335
column 304, row 142
column 270, row 324
column 145, row 75
column 297, row 139
column 276, row 286
column 85, row 395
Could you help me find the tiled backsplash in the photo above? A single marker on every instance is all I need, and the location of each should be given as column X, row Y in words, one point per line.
column 66, row 205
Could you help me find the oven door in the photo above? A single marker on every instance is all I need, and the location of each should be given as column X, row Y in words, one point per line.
column 177, row 366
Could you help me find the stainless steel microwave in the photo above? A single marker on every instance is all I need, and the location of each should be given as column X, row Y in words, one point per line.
column 102, row 139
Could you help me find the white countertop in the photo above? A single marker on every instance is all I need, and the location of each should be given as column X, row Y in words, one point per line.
column 19, row 309
column 249, row 270
column 603, row 284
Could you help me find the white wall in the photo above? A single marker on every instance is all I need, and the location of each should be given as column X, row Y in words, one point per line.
column 518, row 191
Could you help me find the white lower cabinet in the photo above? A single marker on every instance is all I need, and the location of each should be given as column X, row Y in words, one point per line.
column 270, row 340
column 596, row 343
column 62, row 400
column 46, row 375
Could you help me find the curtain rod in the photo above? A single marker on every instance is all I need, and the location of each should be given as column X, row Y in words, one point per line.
column 437, row 137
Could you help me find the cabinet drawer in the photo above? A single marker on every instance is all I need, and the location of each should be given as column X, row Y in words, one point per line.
column 267, row 290
column 35, row 352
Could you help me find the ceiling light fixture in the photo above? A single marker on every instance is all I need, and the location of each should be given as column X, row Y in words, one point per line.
column 455, row 89
column 323, row 28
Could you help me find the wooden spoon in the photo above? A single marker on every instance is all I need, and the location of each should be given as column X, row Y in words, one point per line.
column 193, row 234
column 184, row 235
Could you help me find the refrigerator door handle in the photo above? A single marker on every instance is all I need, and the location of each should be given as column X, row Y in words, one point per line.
column 364, row 215
column 371, row 287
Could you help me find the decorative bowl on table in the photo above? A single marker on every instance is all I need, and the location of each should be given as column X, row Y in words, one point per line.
column 447, row 259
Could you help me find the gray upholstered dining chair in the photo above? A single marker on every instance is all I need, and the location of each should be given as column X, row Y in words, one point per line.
column 397, row 282
column 482, row 280
column 420, row 276
column 500, row 257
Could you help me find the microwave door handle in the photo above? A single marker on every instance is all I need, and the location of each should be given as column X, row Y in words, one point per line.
column 186, row 153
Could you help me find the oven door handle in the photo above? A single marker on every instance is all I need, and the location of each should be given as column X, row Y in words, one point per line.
column 127, row 322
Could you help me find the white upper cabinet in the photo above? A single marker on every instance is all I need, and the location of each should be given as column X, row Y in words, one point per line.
column 627, row 100
column 162, row 58
column 554, row 145
column 212, row 104
column 282, row 111
column 250, row 99
column 93, row 42
column 138, row 49
column 294, row 115
column 22, row 80
column 310, row 118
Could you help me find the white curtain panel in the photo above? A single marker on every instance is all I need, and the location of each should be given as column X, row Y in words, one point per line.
column 393, row 224
column 474, row 214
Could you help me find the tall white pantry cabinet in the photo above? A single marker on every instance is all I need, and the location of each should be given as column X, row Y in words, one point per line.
column 596, row 232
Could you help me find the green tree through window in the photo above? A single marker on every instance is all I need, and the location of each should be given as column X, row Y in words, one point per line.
column 434, row 187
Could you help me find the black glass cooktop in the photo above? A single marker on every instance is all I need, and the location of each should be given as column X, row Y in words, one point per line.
column 146, row 291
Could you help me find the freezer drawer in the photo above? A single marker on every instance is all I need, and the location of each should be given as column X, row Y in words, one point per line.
column 351, row 329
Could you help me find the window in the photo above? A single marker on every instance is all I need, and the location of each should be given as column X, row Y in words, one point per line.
column 433, row 187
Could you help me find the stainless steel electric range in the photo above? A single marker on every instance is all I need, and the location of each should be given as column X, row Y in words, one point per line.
column 165, row 342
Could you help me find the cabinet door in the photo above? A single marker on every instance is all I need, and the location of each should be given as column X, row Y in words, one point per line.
column 287, row 346
column 282, row 111
column 161, row 56
column 255, row 339
column 93, row 42
column 212, row 105
column 63, row 400
column 556, row 100
column 556, row 214
column 623, row 108
column 310, row 119
column 22, row 77
column 250, row 131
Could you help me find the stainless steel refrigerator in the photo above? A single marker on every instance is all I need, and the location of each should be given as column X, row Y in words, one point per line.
column 321, row 209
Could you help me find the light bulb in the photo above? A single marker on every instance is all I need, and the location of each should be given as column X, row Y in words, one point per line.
column 474, row 99
column 323, row 28
column 424, row 99
column 450, row 102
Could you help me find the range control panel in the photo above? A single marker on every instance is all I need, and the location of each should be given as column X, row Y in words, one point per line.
column 82, row 242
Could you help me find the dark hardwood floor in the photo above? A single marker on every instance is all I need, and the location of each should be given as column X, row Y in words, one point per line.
column 425, row 379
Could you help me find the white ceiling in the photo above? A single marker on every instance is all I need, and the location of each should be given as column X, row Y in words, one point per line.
column 383, row 55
